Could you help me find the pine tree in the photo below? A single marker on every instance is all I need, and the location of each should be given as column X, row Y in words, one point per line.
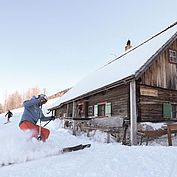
column 1, row 108
column 35, row 91
column 18, row 100
column 28, row 94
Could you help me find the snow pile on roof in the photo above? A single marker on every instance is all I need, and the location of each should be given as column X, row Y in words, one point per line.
column 119, row 69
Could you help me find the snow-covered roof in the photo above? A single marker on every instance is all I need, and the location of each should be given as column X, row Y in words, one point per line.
column 127, row 65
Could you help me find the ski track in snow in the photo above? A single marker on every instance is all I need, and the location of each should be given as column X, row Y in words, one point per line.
column 101, row 160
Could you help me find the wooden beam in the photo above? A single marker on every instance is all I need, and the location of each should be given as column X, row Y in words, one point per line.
column 133, row 116
column 171, row 128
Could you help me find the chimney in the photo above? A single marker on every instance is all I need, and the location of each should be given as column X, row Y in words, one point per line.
column 128, row 46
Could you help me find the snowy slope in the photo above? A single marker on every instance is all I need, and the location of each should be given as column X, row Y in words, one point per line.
column 101, row 160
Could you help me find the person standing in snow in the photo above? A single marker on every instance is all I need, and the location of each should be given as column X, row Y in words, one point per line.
column 9, row 115
column 32, row 113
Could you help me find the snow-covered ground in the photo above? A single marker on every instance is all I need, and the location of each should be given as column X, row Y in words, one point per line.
column 101, row 160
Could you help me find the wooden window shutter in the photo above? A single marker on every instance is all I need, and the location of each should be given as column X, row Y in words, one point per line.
column 95, row 110
column 167, row 110
column 108, row 109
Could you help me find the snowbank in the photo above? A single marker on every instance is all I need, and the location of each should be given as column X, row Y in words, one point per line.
column 101, row 160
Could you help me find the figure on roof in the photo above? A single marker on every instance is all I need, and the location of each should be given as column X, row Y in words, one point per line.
column 128, row 46
column 128, row 42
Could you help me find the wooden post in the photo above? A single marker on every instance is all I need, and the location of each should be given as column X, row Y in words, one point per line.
column 88, row 133
column 67, row 110
column 171, row 128
column 74, row 110
column 74, row 123
column 74, row 127
column 108, row 137
column 169, row 137
column 133, row 116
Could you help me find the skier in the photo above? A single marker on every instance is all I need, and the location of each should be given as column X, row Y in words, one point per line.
column 32, row 113
column 9, row 115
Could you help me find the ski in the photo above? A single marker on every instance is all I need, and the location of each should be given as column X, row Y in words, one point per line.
column 7, row 122
column 62, row 151
column 75, row 148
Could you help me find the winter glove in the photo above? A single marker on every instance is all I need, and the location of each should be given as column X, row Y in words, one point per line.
column 53, row 117
column 39, row 138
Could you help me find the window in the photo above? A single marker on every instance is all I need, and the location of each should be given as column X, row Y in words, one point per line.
column 90, row 111
column 174, row 111
column 81, row 107
column 172, row 56
column 102, row 109
column 169, row 110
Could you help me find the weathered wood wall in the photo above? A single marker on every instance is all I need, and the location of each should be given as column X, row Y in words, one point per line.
column 162, row 73
column 162, row 79
column 63, row 110
column 60, row 111
column 119, row 97
column 150, row 107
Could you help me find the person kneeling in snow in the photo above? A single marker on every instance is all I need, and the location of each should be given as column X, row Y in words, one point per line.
column 32, row 113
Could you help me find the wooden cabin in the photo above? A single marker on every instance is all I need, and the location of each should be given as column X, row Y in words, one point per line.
column 139, row 86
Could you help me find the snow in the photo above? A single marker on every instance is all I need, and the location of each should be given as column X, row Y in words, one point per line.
column 124, row 67
column 101, row 160
column 154, row 126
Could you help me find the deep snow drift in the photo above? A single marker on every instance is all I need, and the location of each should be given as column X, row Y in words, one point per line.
column 101, row 160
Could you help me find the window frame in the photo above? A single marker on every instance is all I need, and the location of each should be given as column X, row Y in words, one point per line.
column 101, row 104
column 90, row 110
column 106, row 114
column 82, row 110
column 172, row 112
column 171, row 58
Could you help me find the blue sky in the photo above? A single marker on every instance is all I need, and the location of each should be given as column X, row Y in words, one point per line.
column 53, row 44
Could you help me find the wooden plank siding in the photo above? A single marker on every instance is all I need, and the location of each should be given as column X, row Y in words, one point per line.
column 160, row 76
column 118, row 96
column 60, row 111
column 162, row 73
column 150, row 108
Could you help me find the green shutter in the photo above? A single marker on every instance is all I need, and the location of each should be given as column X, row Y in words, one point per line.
column 167, row 110
column 108, row 109
column 95, row 110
